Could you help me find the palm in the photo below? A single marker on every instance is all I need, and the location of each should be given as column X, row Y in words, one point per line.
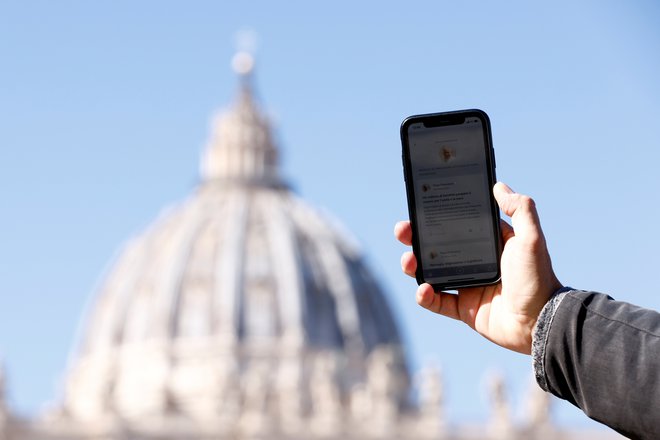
column 505, row 312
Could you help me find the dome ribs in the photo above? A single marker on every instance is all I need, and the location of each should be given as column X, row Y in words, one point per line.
column 177, row 255
column 336, row 280
column 194, row 301
column 287, row 264
column 260, row 317
column 231, row 256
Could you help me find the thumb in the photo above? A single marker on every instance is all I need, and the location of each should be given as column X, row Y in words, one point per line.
column 519, row 207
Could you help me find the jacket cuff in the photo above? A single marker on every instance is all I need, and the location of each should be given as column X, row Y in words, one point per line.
column 540, row 335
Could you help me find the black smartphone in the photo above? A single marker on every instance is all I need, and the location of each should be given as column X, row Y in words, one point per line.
column 449, row 170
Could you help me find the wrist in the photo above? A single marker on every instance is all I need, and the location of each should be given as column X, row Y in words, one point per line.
column 541, row 331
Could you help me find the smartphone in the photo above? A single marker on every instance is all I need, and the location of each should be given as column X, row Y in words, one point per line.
column 449, row 170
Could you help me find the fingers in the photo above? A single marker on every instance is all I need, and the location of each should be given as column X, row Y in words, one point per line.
column 403, row 232
column 507, row 231
column 443, row 303
column 520, row 208
column 409, row 264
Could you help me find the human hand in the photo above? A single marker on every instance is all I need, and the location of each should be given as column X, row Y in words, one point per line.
column 506, row 312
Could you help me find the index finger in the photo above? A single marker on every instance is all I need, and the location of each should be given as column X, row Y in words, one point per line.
column 403, row 232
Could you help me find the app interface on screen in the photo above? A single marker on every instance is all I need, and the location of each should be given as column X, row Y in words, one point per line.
column 452, row 192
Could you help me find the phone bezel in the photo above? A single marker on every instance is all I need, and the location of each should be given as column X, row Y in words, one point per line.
column 446, row 119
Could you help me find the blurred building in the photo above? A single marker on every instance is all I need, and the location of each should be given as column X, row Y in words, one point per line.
column 243, row 313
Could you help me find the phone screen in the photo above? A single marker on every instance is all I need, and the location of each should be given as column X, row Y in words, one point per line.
column 450, row 177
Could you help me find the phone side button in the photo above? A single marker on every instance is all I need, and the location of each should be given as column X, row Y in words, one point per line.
column 492, row 151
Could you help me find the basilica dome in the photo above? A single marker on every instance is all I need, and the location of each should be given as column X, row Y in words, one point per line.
column 242, row 309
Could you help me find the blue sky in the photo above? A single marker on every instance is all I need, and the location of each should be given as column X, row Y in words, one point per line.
column 104, row 110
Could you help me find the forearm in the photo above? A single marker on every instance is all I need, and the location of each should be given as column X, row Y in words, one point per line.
column 604, row 357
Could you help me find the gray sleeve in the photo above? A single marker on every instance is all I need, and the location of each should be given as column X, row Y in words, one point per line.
column 603, row 356
column 540, row 335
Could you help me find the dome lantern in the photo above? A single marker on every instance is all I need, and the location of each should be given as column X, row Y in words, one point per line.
column 241, row 147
